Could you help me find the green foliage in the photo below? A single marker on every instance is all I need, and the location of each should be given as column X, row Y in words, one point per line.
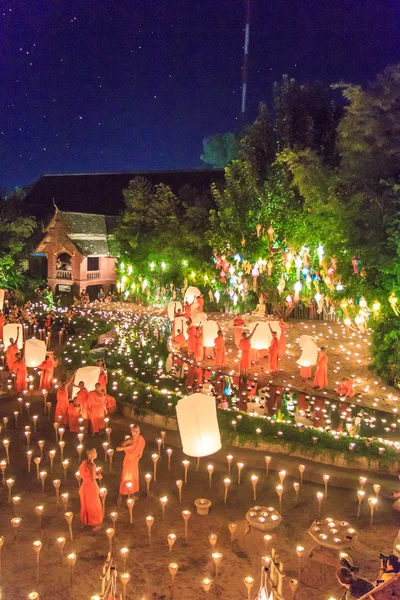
column 385, row 349
column 220, row 149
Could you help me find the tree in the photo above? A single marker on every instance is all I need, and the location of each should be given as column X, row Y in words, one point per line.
column 220, row 149
column 258, row 144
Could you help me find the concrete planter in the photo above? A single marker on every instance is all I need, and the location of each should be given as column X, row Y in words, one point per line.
column 159, row 421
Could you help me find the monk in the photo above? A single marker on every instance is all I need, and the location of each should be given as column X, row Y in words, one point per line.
column 220, row 353
column 200, row 303
column 199, row 348
column 321, row 374
column 91, row 508
column 238, row 323
column 179, row 340
column 21, row 372
column 111, row 404
column 244, row 348
column 62, row 402
column 103, row 377
column 97, row 409
column 11, row 352
column 191, row 331
column 273, row 361
column 47, row 371
column 133, row 448
column 346, row 388
column 73, row 416
column 82, row 399
column 188, row 310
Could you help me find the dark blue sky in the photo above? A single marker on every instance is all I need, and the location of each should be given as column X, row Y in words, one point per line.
column 116, row 85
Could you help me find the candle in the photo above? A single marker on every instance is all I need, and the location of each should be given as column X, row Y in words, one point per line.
column 227, row 483
column 372, row 503
column 179, row 484
column 171, row 538
column 210, row 469
column 163, row 502
column 154, row 458
column 186, row 516
column 320, row 497
column 360, row 496
column 249, row 582
column 232, row 530
column 114, row 517
column 149, row 523
column 213, row 538
column 239, row 468
column 124, row 577
column 124, row 555
column 69, row 517
column 110, row 534
column 229, row 459
column 296, row 487
column 282, row 475
column 37, row 546
column 169, row 453
column 206, row 582
column 61, row 543
column 254, row 480
column 186, row 464
column 302, row 468
column 279, row 491
column 173, row 569
column 148, row 478
column 300, row 551
column 130, row 503
column 217, row 557
column 326, row 480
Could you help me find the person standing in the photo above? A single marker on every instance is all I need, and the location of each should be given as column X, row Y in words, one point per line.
column 62, row 402
column 91, row 509
column 82, row 399
column 97, row 409
column 47, row 371
column 73, row 416
column 191, row 331
column 21, row 373
column 273, row 361
column 220, row 353
column 244, row 348
column 198, row 346
column 11, row 352
column 133, row 448
column 321, row 374
column 103, row 377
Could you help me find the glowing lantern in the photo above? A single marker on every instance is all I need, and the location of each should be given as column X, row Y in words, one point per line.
column 297, row 289
column 309, row 356
column 217, row 296
column 198, row 425
column 11, row 331
column 393, row 302
column 376, row 307
column 363, row 302
column 263, row 336
column 210, row 330
column 191, row 294
column 172, row 306
column 35, row 352
column 89, row 375
column 320, row 252
column 198, row 318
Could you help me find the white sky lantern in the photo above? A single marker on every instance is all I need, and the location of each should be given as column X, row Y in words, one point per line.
column 35, row 352
column 210, row 330
column 89, row 375
column 2, row 292
column 191, row 294
column 10, row 331
column 198, row 425
column 309, row 355
column 261, row 338
column 198, row 318
column 172, row 306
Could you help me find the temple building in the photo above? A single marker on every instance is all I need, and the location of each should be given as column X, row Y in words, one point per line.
column 76, row 253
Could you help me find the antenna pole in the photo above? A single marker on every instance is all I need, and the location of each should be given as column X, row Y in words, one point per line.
column 246, row 59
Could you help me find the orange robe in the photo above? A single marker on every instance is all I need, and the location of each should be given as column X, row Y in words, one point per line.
column 91, row 508
column 62, row 406
column 321, row 374
column 47, row 371
column 244, row 347
column 192, row 339
column 82, row 399
column 73, row 416
column 199, row 348
column 179, row 340
column 111, row 404
column 97, row 411
column 282, row 339
column 103, row 380
column 346, row 388
column 274, row 355
column 19, row 368
column 305, row 372
column 219, row 351
column 130, row 467
column 11, row 352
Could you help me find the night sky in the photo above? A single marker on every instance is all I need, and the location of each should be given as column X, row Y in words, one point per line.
column 126, row 85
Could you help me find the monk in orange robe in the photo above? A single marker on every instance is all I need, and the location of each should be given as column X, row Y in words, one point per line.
column 133, row 448
column 11, row 352
column 244, row 348
column 346, row 388
column 62, row 402
column 191, row 331
column 220, row 353
column 238, row 323
column 82, row 399
column 179, row 340
column 111, row 404
column 91, row 508
column 21, row 372
column 47, row 371
column 103, row 377
column 97, row 409
column 321, row 374
column 199, row 348
column 273, row 365
column 73, row 416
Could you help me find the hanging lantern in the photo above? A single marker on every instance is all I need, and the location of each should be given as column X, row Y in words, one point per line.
column 393, row 302
column 198, row 425
column 89, row 375
column 376, row 307
column 297, row 289
column 35, row 352
column 320, row 252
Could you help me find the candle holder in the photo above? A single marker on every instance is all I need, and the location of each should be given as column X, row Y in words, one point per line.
column 149, row 523
column 186, row 464
column 16, row 415
column 130, row 502
column 159, row 442
column 80, row 437
column 377, row 489
column 227, row 483
column 325, row 479
column 372, row 501
column 248, row 582
column 279, row 491
column 232, row 527
column 57, row 483
column 52, row 454
column 41, row 446
column 124, row 578
column 210, row 469
column 68, row 516
column 124, row 555
column 293, row 584
column 169, row 454
column 2, row 539
column 44, row 392
column 3, row 467
column 217, row 558
column 363, row 481
column 6, row 444
column 108, row 433
column 105, row 448
column 179, row 484
column 206, row 582
column 64, row 500
column 114, row 517
column 163, row 502
column 78, row 478
column 16, row 522
column 71, row 561
column 39, row 511
column 61, row 543
column 65, row 465
column 300, row 552
column 154, row 458
column 302, row 468
column 229, row 460
column 37, row 546
column 37, row 460
column 103, row 496
column 16, row 502
column 212, row 538
column 267, row 463
column 360, row 496
column 42, row 476
column 320, row 497
column 239, row 469
column 110, row 454
column 48, row 406
column 254, row 481
column 110, row 534
column 56, row 428
column 148, row 478
column 79, row 449
column 129, row 486
column 61, row 431
column 296, row 487
column 282, row 475
column 10, row 482
column 171, row 538
column 186, row 516
column 5, row 421
column 35, row 420
column 173, row 569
